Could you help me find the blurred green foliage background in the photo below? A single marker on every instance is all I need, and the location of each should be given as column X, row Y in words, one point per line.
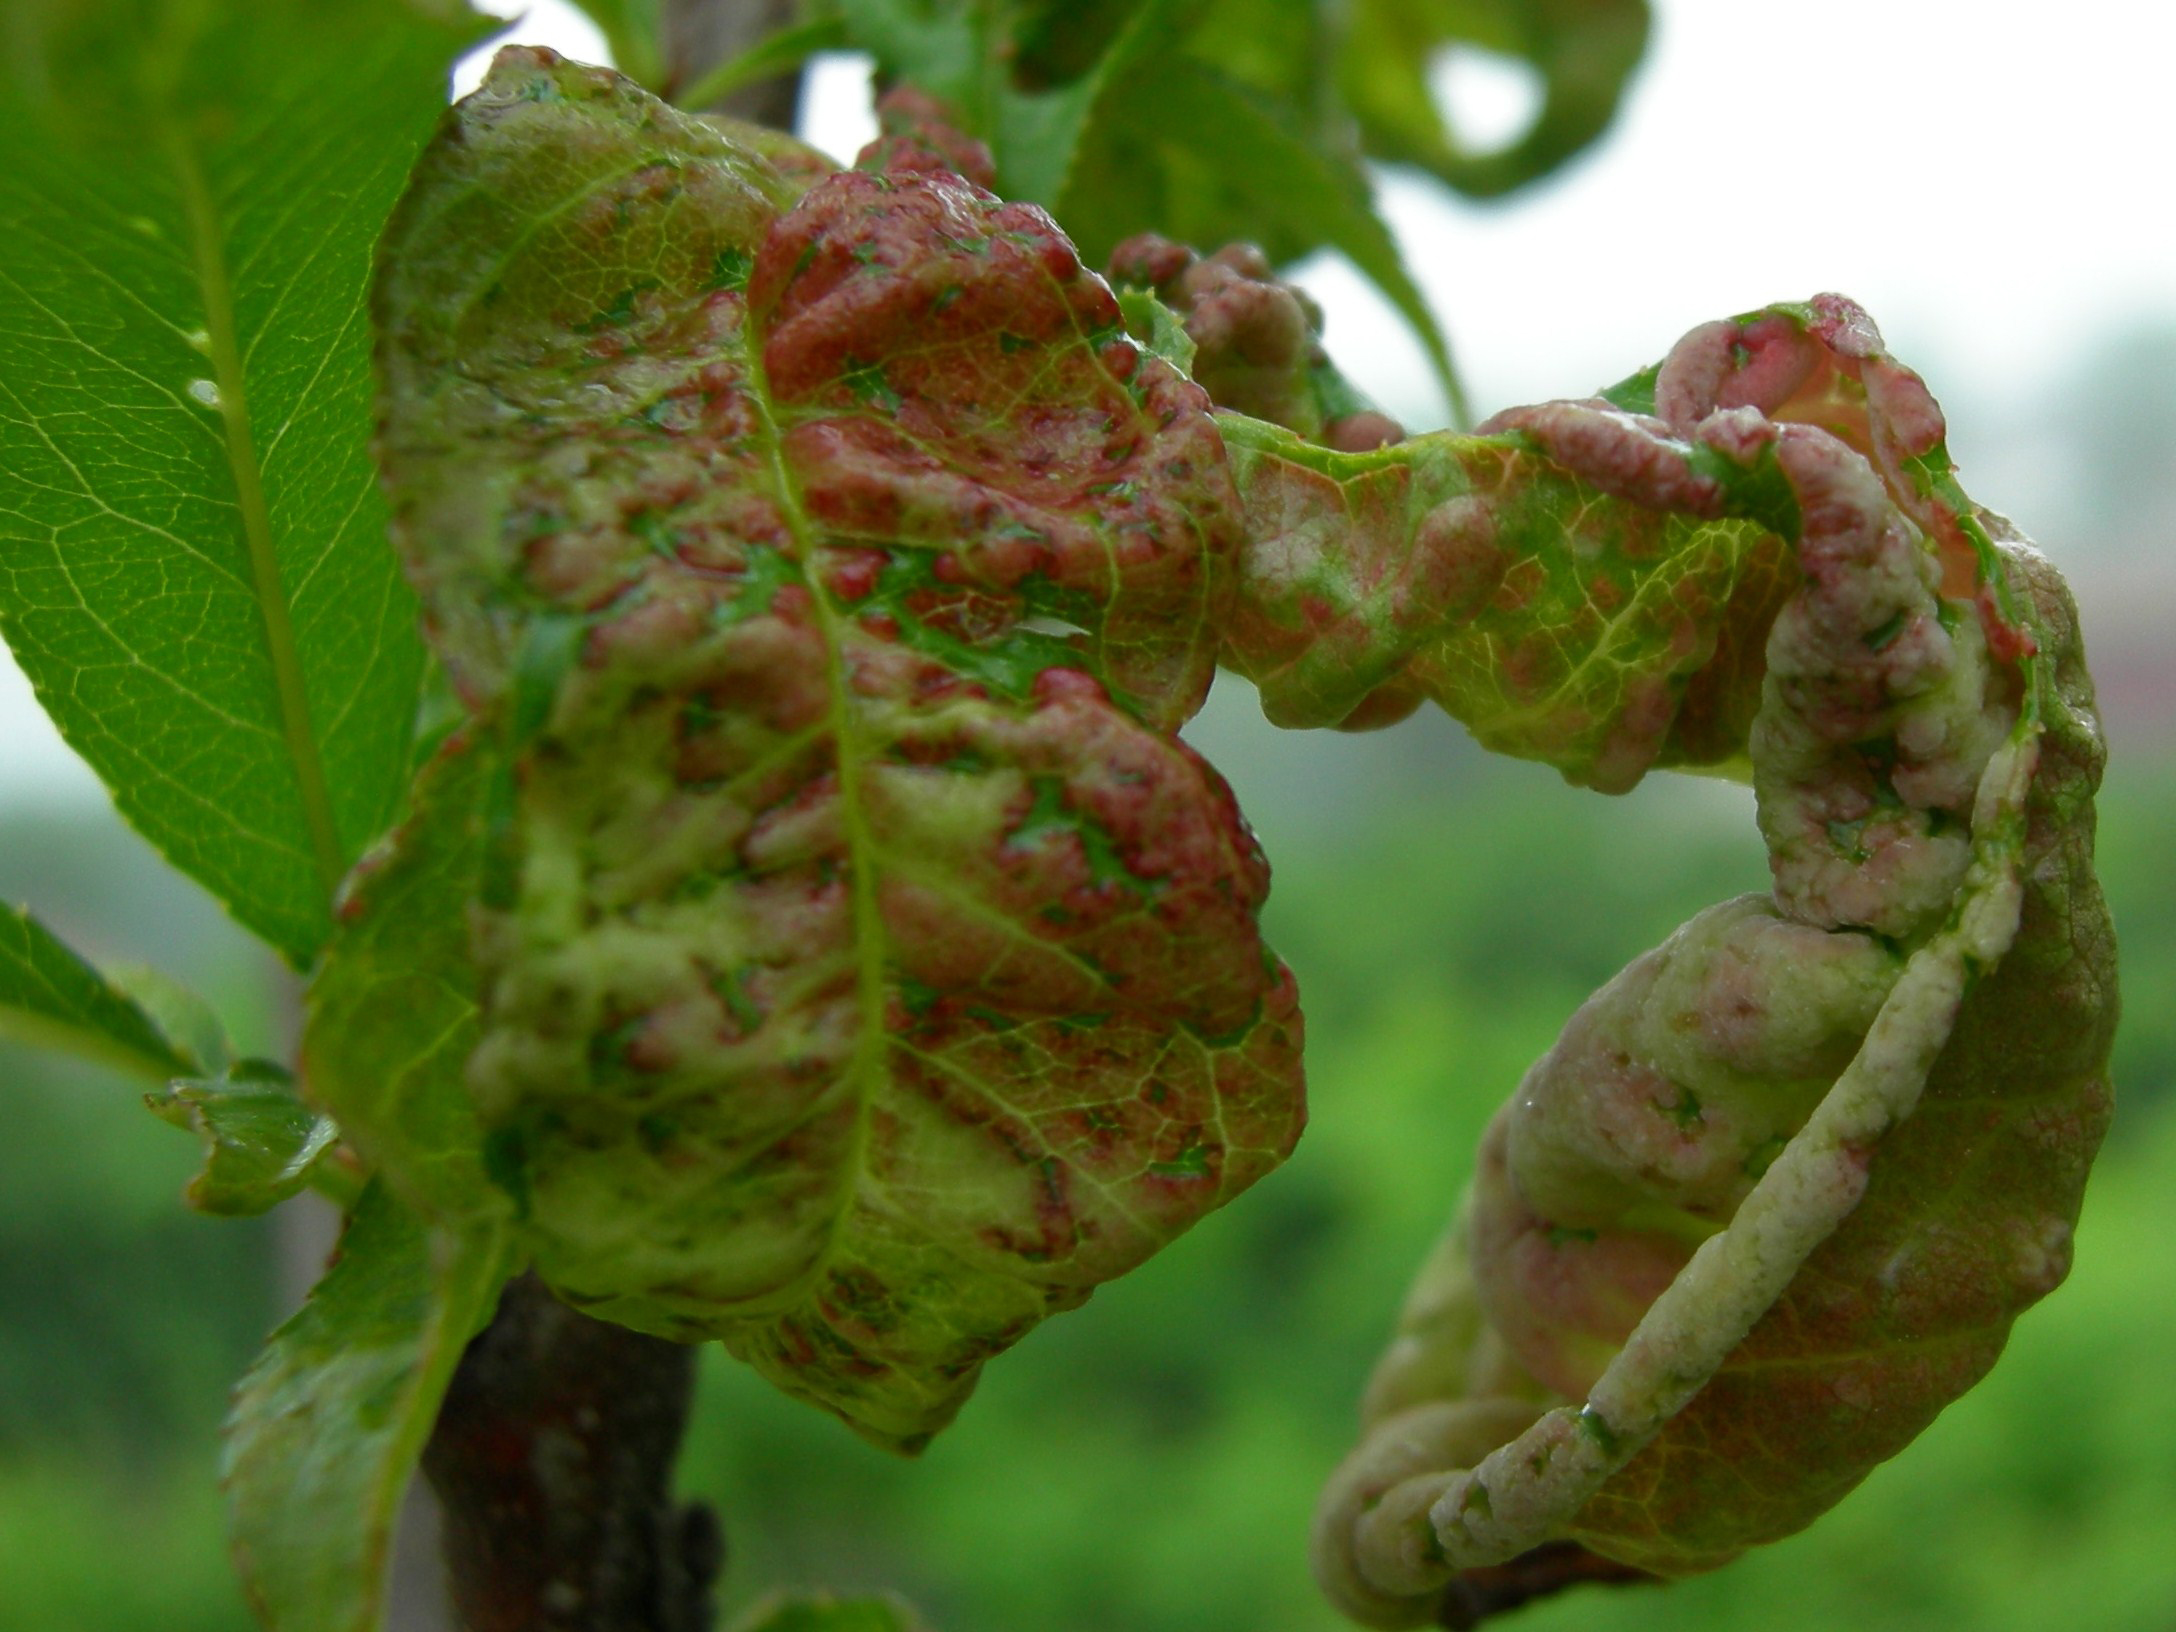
column 1149, row 1463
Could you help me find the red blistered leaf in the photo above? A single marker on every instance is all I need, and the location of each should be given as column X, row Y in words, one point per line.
column 867, row 970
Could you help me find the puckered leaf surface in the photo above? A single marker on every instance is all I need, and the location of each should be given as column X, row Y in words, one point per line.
column 328, row 1425
column 51, row 997
column 1779, row 1190
column 192, row 562
column 1207, row 123
column 868, row 971
column 1554, row 619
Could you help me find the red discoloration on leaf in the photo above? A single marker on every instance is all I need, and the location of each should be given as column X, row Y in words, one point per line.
column 874, row 973
column 917, row 132
column 1885, row 1080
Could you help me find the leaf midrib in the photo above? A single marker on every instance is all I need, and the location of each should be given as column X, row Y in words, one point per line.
column 861, row 850
column 246, row 471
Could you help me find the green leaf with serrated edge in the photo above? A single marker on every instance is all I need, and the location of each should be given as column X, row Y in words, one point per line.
column 327, row 1425
column 391, row 1015
column 192, row 563
column 260, row 1139
column 1556, row 622
column 802, row 1612
column 52, row 998
column 871, row 971
column 1778, row 1192
column 1584, row 51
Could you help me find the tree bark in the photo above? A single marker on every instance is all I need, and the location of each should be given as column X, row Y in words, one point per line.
column 552, row 1459
column 700, row 34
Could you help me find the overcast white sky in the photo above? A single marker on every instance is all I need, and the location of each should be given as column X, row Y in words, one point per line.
column 1991, row 180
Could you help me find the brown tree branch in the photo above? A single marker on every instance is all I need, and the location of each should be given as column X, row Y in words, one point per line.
column 700, row 34
column 553, row 1458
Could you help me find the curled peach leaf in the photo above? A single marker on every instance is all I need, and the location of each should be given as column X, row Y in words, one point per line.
column 1778, row 1192
column 865, row 969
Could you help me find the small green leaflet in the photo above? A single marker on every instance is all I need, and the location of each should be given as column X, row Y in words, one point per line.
column 193, row 570
column 328, row 1424
column 1157, row 326
column 392, row 1013
column 260, row 1140
column 51, row 998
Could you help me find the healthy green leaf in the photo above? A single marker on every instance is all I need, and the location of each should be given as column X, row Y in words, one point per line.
column 260, row 1140
column 1584, row 51
column 1776, row 1195
column 328, row 1424
column 192, row 565
column 824, row 1613
column 52, row 998
column 392, row 1013
column 868, row 970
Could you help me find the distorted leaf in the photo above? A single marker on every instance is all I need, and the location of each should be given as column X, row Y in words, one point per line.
column 1190, row 152
column 1156, row 131
column 1554, row 620
column 260, row 1139
column 192, row 563
column 1776, row 1195
column 868, row 969
column 1248, row 338
column 328, row 1424
column 50, row 997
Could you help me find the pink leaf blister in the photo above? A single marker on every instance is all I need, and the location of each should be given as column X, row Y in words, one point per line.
column 867, row 970
column 1779, row 1190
